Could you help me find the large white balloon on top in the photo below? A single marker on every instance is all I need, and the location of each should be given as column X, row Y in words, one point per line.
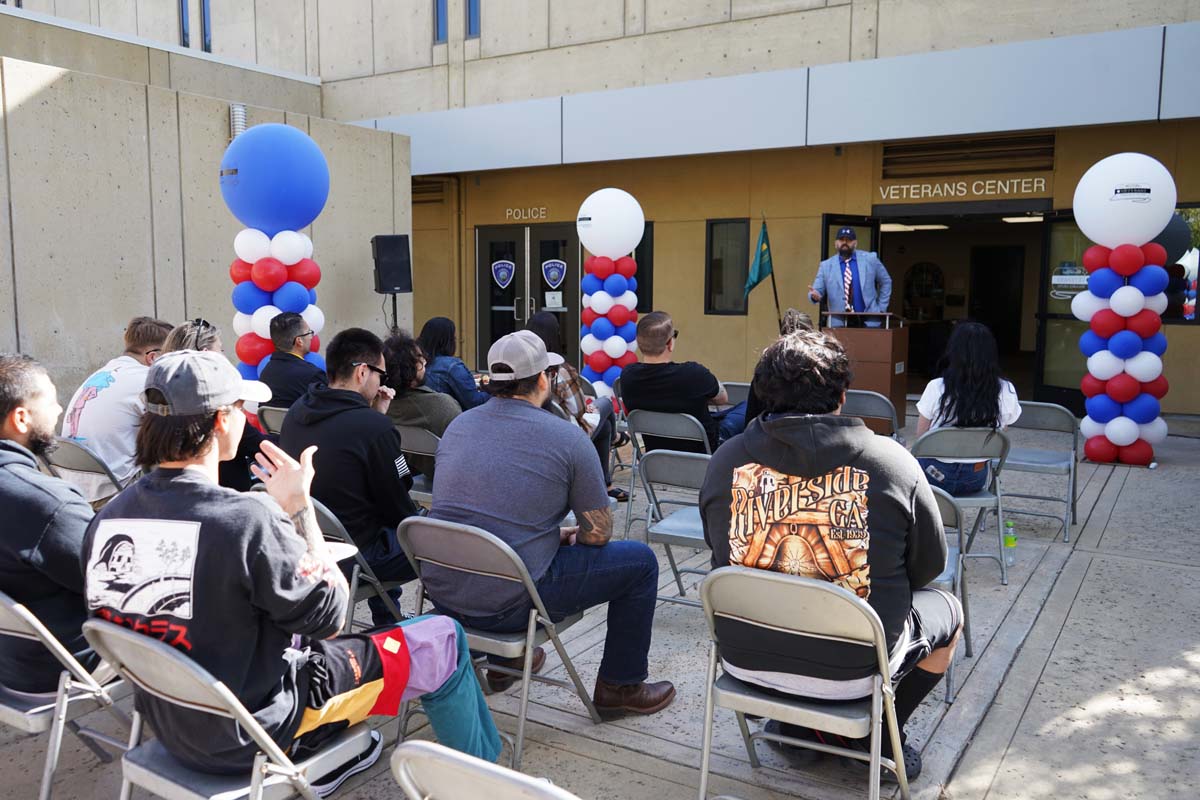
column 1127, row 198
column 610, row 223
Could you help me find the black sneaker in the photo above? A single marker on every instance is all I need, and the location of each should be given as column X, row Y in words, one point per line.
column 328, row 784
column 796, row 756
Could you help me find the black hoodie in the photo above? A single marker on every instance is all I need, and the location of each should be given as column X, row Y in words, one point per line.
column 823, row 497
column 362, row 476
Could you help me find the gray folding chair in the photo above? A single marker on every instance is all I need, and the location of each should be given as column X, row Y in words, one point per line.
column 271, row 418
column 737, row 391
column 161, row 671
column 1047, row 417
column 621, row 424
column 586, row 386
column 470, row 550
column 70, row 455
column 430, row 771
column 79, row 692
column 419, row 442
column 677, row 427
column 681, row 527
column 778, row 604
column 953, row 578
column 983, row 444
column 363, row 580
column 872, row 405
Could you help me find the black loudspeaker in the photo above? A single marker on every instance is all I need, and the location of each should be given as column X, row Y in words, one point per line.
column 393, row 264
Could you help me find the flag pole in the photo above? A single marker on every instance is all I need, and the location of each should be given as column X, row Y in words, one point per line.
column 774, row 286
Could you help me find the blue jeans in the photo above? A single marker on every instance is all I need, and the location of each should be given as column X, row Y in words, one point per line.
column 389, row 563
column 623, row 574
column 731, row 421
column 957, row 479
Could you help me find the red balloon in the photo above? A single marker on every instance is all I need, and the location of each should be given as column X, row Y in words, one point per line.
column 633, row 315
column 1140, row 453
column 1091, row 386
column 627, row 358
column 1144, row 323
column 1100, row 450
column 315, row 347
column 599, row 361
column 1106, row 322
column 601, row 266
column 618, row 315
column 626, row 267
column 1095, row 257
column 588, row 316
column 1123, row 387
column 1157, row 387
column 268, row 274
column 305, row 272
column 1127, row 259
column 239, row 270
column 252, row 348
column 1155, row 253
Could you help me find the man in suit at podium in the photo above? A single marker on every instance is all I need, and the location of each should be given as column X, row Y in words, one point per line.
column 852, row 281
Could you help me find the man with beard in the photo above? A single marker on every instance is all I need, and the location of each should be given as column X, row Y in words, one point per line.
column 45, row 520
column 852, row 281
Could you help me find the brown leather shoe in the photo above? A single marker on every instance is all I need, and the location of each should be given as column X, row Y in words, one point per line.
column 638, row 698
column 498, row 681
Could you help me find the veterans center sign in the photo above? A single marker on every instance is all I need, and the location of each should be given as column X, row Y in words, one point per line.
column 980, row 187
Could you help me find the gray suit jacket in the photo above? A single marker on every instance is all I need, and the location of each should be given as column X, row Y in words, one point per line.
column 876, row 285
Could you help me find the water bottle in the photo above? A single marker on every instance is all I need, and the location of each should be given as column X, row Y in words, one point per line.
column 1010, row 544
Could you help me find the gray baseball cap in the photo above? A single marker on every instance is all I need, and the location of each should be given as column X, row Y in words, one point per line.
column 524, row 353
column 196, row 383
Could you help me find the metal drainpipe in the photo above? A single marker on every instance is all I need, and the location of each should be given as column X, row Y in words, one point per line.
column 237, row 119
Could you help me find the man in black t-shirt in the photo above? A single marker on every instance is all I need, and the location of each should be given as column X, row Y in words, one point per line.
column 657, row 383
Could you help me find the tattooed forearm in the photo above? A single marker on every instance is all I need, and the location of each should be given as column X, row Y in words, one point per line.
column 318, row 561
column 595, row 527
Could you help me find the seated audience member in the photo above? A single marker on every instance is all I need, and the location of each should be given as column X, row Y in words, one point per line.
column 415, row 404
column 362, row 474
column 106, row 410
column 971, row 393
column 246, row 586
column 598, row 421
column 886, row 544
column 287, row 374
column 444, row 372
column 515, row 470
column 657, row 383
column 44, row 522
column 793, row 320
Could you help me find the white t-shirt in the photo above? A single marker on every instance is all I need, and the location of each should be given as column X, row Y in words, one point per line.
column 104, row 414
column 927, row 407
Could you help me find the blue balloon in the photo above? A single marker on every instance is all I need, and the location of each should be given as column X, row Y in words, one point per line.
column 611, row 374
column 1150, row 280
column 628, row 331
column 1091, row 343
column 616, row 284
column 1102, row 408
column 633, row 285
column 1125, row 344
column 274, row 178
column 584, row 330
column 1156, row 344
column 292, row 296
column 1103, row 282
column 602, row 328
column 312, row 297
column 1142, row 409
column 590, row 374
column 248, row 298
column 262, row 365
column 591, row 284
column 248, row 371
column 316, row 359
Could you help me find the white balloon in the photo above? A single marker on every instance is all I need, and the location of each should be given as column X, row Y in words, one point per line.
column 1144, row 367
column 1127, row 301
column 633, row 346
column 1154, row 431
column 610, row 223
column 242, row 324
column 1127, row 198
column 308, row 248
column 589, row 344
column 251, row 244
column 260, row 321
column 1085, row 305
column 615, row 346
column 1121, row 431
column 315, row 318
column 1089, row 428
column 288, row 247
column 587, row 301
column 602, row 303
column 602, row 389
column 1104, row 365
column 629, row 300
column 1157, row 303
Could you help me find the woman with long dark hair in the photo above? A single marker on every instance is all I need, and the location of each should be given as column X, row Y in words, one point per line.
column 445, row 372
column 971, row 393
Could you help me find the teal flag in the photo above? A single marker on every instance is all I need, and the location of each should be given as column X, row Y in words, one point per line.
column 760, row 268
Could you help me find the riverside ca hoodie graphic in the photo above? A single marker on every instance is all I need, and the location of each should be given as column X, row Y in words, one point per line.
column 812, row 527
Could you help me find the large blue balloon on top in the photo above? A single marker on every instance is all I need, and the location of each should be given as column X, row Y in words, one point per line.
column 274, row 178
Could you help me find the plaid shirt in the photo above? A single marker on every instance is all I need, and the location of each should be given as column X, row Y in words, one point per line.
column 569, row 394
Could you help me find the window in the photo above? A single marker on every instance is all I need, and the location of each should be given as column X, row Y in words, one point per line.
column 472, row 19
column 439, row 21
column 205, row 26
column 727, row 250
column 644, row 256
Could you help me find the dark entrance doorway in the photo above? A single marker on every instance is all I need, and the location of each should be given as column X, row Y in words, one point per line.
column 997, row 276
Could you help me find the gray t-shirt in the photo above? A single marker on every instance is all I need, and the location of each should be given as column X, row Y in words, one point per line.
column 515, row 471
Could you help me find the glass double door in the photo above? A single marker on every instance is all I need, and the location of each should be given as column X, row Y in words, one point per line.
column 521, row 270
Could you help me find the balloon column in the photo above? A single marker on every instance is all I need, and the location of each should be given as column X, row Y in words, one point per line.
column 610, row 224
column 274, row 179
column 1122, row 203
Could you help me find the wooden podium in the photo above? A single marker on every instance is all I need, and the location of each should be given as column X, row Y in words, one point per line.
column 878, row 356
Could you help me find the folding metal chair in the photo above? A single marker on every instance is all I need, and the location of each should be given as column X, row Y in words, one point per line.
column 678, row 427
column 70, row 455
column 621, row 426
column 586, row 386
column 419, row 442
column 737, row 392
column 79, row 692
column 954, row 578
column 271, row 418
column 170, row 676
column 982, row 444
column 872, row 405
column 430, row 771
column 467, row 549
column 681, row 527
column 776, row 604
column 1047, row 417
